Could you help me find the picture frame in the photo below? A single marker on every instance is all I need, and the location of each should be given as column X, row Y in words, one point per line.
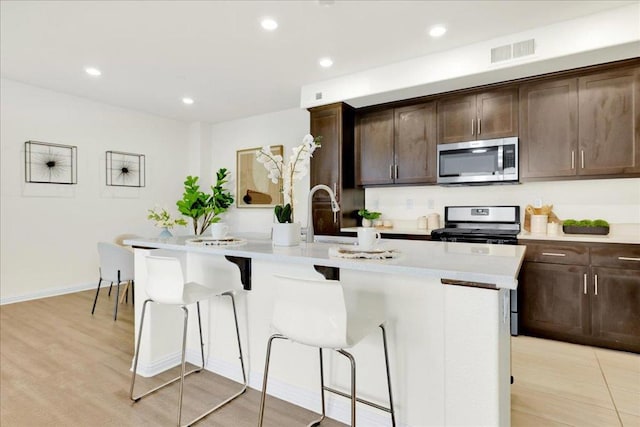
column 125, row 169
column 48, row 163
column 254, row 188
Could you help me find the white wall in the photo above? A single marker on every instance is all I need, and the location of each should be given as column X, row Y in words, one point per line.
column 286, row 128
column 615, row 200
column 49, row 231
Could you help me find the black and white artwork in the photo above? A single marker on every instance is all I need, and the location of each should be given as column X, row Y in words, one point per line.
column 125, row 169
column 50, row 163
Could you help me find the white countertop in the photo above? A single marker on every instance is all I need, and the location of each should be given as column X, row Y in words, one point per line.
column 491, row 264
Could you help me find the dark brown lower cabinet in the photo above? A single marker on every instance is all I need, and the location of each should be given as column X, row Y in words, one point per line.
column 615, row 307
column 556, row 302
column 594, row 303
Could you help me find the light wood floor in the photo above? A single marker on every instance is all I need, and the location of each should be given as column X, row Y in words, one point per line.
column 59, row 366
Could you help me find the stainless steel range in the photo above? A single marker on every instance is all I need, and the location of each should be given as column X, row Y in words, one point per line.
column 483, row 224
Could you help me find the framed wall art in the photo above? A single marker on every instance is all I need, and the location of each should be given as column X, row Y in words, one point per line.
column 254, row 188
column 125, row 169
column 49, row 163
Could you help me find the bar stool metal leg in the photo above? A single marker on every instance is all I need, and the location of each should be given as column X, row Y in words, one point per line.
column 386, row 361
column 96, row 298
column 319, row 420
column 266, row 375
column 184, row 362
column 353, row 385
column 244, row 374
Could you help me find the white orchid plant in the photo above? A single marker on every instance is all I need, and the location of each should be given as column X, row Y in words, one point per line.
column 294, row 170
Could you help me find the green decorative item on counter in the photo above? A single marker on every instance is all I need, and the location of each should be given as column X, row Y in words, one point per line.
column 365, row 214
column 585, row 226
column 204, row 209
column 283, row 213
column 163, row 219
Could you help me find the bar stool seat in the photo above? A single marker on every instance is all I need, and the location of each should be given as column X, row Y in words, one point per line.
column 165, row 285
column 314, row 313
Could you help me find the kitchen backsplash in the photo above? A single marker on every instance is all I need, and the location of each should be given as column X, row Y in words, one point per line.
column 615, row 200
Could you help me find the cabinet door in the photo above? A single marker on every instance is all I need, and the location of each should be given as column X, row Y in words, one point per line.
column 548, row 129
column 497, row 114
column 374, row 148
column 323, row 219
column 325, row 163
column 615, row 307
column 457, row 119
column 415, row 144
column 609, row 123
column 553, row 300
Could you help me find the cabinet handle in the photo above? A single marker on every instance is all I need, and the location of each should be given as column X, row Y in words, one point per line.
column 553, row 254
column 573, row 159
column 595, row 279
column 335, row 191
column 391, row 171
column 396, row 171
column 473, row 124
column 479, row 122
column 628, row 258
column 582, row 159
column 585, row 283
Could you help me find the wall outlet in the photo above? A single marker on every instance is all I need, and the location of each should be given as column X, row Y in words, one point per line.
column 409, row 203
column 537, row 203
column 431, row 204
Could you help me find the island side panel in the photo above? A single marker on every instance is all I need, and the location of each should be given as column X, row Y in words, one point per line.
column 477, row 356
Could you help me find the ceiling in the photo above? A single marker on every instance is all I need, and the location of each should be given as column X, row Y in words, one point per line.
column 154, row 53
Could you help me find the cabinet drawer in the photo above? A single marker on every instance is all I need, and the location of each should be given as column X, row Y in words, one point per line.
column 557, row 253
column 623, row 256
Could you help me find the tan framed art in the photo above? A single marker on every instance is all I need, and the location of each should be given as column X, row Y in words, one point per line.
column 254, row 188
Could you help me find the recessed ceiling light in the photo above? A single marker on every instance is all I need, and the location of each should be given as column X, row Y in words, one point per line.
column 269, row 24
column 187, row 101
column 437, row 31
column 92, row 71
column 326, row 62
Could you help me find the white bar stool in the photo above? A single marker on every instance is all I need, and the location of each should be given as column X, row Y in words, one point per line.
column 165, row 285
column 314, row 313
column 116, row 265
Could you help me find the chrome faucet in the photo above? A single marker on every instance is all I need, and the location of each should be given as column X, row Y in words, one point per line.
column 334, row 207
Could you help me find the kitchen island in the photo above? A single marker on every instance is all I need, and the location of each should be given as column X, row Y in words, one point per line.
column 447, row 306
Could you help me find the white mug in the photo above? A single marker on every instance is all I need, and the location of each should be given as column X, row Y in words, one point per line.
column 368, row 238
column 219, row 230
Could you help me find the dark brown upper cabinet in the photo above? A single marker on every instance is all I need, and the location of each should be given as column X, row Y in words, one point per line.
column 485, row 115
column 584, row 126
column 333, row 165
column 548, row 128
column 609, row 122
column 396, row 146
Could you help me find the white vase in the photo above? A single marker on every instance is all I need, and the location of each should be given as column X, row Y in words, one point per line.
column 287, row 234
column 366, row 222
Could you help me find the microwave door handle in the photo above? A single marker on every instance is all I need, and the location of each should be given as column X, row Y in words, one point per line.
column 501, row 159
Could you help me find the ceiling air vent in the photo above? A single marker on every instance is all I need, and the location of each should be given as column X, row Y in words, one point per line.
column 500, row 53
column 524, row 48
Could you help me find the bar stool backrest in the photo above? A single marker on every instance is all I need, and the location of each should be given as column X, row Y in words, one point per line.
column 114, row 258
column 165, row 281
column 311, row 312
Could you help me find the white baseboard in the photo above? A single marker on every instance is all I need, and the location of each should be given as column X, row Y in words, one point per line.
column 48, row 293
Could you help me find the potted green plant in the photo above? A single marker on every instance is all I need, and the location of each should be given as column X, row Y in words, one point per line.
column 368, row 217
column 164, row 220
column 585, row 226
column 205, row 209
column 285, row 231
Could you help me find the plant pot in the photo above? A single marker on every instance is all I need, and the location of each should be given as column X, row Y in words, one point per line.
column 577, row 229
column 287, row 234
column 367, row 222
column 165, row 233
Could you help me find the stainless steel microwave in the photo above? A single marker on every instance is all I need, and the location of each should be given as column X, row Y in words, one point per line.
column 478, row 162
